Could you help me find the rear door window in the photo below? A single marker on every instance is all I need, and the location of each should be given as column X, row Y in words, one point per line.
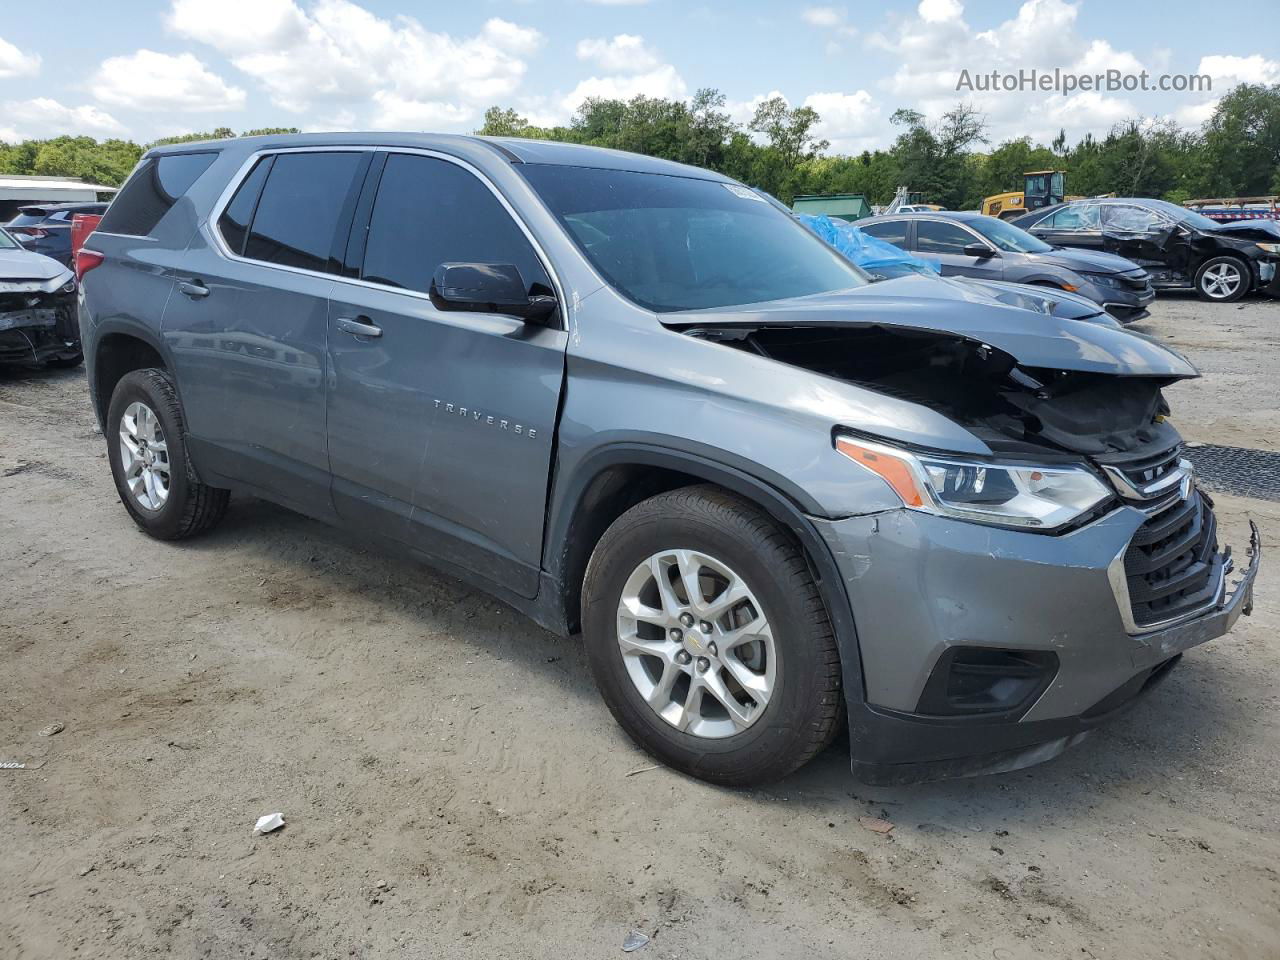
column 152, row 191
column 430, row 211
column 935, row 236
column 299, row 215
column 1083, row 216
column 890, row 231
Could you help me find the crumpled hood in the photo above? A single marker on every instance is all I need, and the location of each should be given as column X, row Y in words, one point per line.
column 965, row 310
column 24, row 265
column 1087, row 261
column 1268, row 231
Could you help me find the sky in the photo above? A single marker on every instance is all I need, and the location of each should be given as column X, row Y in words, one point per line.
column 143, row 69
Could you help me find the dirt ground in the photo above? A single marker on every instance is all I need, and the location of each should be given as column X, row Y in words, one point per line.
column 453, row 786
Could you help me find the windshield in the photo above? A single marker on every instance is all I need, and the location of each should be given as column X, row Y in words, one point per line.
column 7, row 242
column 1007, row 237
column 678, row 243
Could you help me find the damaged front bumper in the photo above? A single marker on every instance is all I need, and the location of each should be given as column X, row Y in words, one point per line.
column 984, row 649
column 38, row 320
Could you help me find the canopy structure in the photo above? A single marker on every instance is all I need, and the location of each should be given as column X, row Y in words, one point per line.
column 49, row 189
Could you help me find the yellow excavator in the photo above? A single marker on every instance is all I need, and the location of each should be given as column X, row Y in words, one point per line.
column 1040, row 188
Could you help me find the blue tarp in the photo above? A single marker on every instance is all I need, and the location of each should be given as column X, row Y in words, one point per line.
column 874, row 255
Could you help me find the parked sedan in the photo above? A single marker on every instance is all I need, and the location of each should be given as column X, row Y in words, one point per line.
column 967, row 244
column 45, row 228
column 1181, row 249
column 37, row 308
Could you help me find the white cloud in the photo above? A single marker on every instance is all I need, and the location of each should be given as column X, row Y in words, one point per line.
column 822, row 16
column 618, row 3
column 338, row 57
column 224, row 25
column 940, row 11
column 937, row 44
column 663, row 82
column 147, row 80
column 625, row 53
column 1227, row 71
column 43, row 117
column 851, row 121
column 829, row 18
column 393, row 112
column 15, row 63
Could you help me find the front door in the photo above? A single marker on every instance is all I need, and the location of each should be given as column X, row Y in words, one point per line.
column 441, row 423
column 943, row 243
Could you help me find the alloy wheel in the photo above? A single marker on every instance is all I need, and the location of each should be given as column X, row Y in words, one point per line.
column 696, row 643
column 144, row 456
column 1221, row 280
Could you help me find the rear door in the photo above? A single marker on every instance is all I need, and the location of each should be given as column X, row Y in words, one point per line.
column 1074, row 225
column 441, row 423
column 248, row 322
column 943, row 242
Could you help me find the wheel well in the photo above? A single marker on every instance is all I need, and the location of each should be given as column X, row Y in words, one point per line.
column 115, row 355
column 611, row 493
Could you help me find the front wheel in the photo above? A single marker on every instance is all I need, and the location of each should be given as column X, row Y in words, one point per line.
column 1222, row 279
column 708, row 639
column 146, row 444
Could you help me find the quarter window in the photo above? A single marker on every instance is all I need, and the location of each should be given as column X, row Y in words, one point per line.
column 430, row 211
column 234, row 222
column 935, row 236
column 152, row 191
column 890, row 231
column 297, row 219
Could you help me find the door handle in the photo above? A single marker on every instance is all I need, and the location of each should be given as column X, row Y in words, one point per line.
column 193, row 289
column 360, row 326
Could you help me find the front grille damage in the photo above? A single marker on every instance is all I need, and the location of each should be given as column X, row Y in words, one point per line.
column 1172, row 567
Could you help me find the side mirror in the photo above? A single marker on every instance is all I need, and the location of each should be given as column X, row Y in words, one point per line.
column 979, row 250
column 488, row 288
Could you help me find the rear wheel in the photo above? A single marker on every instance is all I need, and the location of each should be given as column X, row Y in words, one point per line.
column 1222, row 279
column 146, row 444
column 708, row 639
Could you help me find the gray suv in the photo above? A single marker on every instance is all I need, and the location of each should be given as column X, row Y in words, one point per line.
column 966, row 244
column 633, row 399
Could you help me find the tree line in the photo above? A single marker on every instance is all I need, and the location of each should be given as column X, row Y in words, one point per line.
column 1235, row 153
column 107, row 162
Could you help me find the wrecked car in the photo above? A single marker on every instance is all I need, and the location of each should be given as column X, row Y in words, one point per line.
column 1181, row 249
column 37, row 308
column 636, row 401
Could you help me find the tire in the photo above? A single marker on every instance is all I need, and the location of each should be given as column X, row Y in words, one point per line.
column 1213, row 279
column 187, row 506
column 719, row 533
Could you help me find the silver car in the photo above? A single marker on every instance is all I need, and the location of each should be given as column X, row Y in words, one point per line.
column 966, row 244
column 640, row 403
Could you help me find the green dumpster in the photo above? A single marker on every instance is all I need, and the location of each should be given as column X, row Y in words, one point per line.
column 841, row 206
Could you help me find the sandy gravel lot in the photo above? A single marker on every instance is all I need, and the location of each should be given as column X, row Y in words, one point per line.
column 453, row 787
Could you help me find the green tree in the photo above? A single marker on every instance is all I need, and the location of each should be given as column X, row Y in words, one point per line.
column 1242, row 142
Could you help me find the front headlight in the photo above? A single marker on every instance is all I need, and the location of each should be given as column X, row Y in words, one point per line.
column 1102, row 279
column 1270, row 247
column 68, row 287
column 1011, row 495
